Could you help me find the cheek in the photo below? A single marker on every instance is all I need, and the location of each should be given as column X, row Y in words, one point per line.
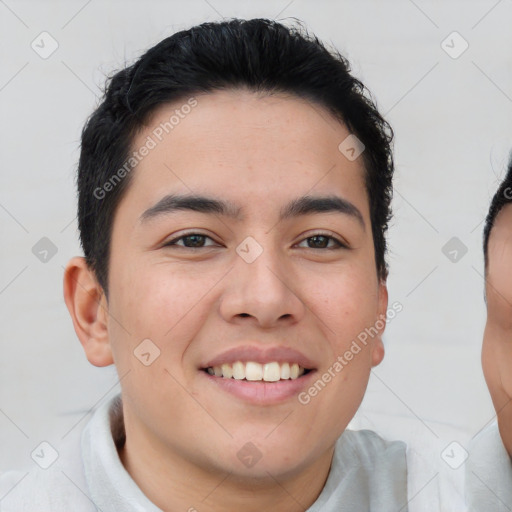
column 165, row 306
column 346, row 302
column 161, row 292
column 500, row 263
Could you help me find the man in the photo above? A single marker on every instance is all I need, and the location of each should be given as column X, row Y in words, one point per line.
column 489, row 468
column 234, row 195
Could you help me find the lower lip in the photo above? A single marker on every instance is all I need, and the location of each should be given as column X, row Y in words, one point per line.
column 261, row 392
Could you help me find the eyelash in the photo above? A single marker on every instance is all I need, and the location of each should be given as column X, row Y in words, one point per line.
column 340, row 244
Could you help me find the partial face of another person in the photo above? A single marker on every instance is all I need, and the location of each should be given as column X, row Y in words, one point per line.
column 497, row 346
column 499, row 269
column 256, row 274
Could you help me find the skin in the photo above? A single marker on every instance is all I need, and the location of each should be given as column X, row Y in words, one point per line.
column 497, row 345
column 183, row 433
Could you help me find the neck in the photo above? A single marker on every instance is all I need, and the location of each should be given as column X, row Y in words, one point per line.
column 174, row 483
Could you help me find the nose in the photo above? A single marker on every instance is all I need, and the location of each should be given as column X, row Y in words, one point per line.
column 263, row 290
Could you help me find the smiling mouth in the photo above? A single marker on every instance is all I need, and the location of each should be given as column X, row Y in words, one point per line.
column 254, row 372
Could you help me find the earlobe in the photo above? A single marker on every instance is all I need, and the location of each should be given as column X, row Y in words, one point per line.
column 88, row 308
column 380, row 324
column 377, row 351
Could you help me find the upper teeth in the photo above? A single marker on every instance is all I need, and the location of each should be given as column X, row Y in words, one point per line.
column 270, row 372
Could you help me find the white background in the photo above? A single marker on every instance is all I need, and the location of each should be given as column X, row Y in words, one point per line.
column 452, row 119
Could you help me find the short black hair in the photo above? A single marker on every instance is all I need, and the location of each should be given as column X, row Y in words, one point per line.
column 258, row 54
column 502, row 197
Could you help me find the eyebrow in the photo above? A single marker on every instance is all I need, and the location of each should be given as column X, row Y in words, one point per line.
column 305, row 205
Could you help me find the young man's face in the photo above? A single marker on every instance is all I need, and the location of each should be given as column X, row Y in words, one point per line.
column 248, row 288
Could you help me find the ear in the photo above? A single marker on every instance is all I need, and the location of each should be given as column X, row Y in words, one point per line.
column 87, row 305
column 380, row 323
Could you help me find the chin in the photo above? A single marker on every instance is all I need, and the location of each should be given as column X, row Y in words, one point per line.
column 266, row 470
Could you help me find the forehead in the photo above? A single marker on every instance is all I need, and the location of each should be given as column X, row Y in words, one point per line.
column 499, row 253
column 244, row 145
column 501, row 231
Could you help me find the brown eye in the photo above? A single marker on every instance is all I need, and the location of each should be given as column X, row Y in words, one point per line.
column 318, row 242
column 190, row 241
column 322, row 241
column 194, row 240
